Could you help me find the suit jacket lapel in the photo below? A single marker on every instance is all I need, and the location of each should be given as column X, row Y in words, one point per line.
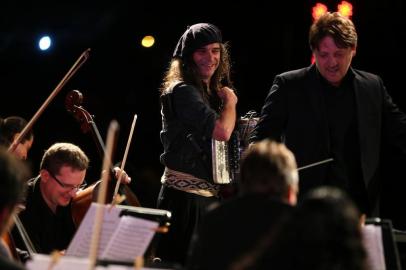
column 369, row 117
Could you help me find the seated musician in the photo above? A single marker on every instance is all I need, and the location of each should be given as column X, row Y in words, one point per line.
column 10, row 129
column 48, row 213
column 269, row 186
column 12, row 185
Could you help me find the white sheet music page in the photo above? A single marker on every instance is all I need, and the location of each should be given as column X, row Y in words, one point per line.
column 373, row 243
column 131, row 239
column 41, row 262
column 80, row 243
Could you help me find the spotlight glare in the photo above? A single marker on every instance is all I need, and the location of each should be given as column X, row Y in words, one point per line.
column 318, row 10
column 44, row 43
column 148, row 41
column 345, row 9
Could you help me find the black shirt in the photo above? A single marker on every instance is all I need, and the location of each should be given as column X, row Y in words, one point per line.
column 345, row 172
column 48, row 231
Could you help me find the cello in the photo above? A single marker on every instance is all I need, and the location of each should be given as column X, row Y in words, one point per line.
column 84, row 198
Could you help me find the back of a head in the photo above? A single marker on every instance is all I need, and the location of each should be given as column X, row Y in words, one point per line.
column 323, row 233
column 9, row 127
column 268, row 167
column 332, row 214
column 335, row 25
column 64, row 154
column 333, row 201
column 13, row 178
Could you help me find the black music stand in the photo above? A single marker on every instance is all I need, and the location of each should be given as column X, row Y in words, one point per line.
column 400, row 238
column 391, row 254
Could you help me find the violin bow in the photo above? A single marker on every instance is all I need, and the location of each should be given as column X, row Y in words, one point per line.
column 94, row 244
column 315, row 164
column 79, row 62
column 117, row 199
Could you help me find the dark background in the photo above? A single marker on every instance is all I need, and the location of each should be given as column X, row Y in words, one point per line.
column 121, row 78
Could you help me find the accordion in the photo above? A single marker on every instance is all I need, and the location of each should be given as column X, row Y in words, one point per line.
column 226, row 155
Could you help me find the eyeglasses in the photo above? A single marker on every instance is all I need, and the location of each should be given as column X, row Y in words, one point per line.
column 70, row 187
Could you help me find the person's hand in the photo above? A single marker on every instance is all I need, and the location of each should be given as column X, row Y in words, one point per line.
column 122, row 175
column 228, row 96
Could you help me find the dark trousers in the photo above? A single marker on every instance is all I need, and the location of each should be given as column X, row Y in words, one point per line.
column 187, row 210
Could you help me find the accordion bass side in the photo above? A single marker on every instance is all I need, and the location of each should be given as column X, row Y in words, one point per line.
column 226, row 155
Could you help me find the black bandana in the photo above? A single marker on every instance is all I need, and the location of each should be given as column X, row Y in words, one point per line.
column 197, row 36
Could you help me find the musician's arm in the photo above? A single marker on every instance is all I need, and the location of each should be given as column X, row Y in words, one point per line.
column 224, row 125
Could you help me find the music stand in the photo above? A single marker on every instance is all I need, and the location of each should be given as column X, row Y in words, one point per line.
column 163, row 217
column 390, row 250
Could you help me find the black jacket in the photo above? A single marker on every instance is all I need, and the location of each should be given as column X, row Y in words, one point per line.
column 187, row 126
column 295, row 113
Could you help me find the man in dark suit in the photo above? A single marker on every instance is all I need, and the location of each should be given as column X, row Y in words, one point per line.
column 269, row 185
column 331, row 110
column 12, row 185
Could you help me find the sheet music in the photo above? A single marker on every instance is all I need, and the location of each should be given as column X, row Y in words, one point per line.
column 42, row 261
column 121, row 267
column 373, row 243
column 131, row 239
column 122, row 238
column 80, row 243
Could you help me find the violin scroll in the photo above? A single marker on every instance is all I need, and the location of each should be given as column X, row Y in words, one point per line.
column 73, row 102
column 73, row 98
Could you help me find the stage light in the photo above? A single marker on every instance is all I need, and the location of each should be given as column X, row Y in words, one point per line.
column 148, row 41
column 345, row 9
column 318, row 10
column 44, row 43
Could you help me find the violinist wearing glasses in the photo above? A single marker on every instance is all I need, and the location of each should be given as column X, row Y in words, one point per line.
column 48, row 213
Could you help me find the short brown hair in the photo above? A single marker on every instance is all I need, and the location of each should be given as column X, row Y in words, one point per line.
column 335, row 25
column 64, row 154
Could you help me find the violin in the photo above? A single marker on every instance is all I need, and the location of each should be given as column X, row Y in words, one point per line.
column 81, row 203
column 84, row 198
